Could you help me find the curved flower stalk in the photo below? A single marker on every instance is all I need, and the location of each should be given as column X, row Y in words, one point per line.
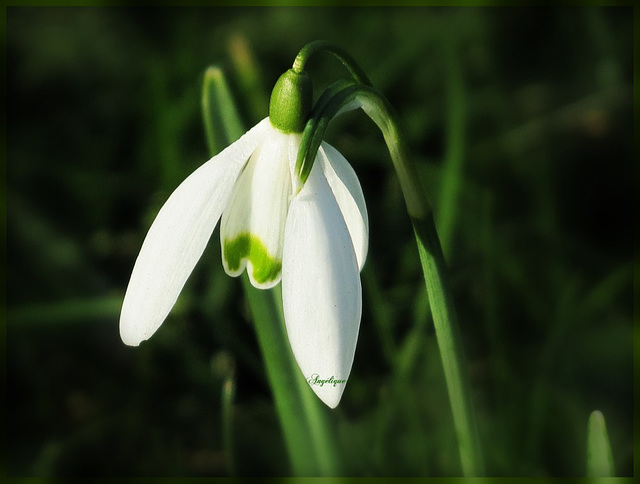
column 346, row 95
column 312, row 235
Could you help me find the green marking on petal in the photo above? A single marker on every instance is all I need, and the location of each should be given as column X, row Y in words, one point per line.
column 248, row 246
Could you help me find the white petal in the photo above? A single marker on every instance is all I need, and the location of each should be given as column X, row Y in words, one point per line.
column 346, row 188
column 252, row 227
column 178, row 236
column 321, row 291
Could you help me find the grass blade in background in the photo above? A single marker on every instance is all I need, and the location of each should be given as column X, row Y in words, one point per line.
column 248, row 75
column 599, row 456
column 282, row 376
column 68, row 312
column 221, row 119
column 228, row 394
column 452, row 178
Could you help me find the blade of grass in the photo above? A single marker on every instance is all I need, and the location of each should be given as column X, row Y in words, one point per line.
column 452, row 178
column 599, row 456
column 501, row 371
column 228, row 394
column 322, row 438
column 401, row 359
column 282, row 376
column 248, row 76
column 75, row 311
column 379, row 311
column 575, row 307
column 222, row 121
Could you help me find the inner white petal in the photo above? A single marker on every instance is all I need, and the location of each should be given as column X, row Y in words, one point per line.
column 252, row 227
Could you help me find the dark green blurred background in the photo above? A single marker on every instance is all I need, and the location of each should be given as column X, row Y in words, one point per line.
column 521, row 122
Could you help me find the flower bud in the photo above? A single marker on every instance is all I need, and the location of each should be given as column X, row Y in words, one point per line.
column 291, row 100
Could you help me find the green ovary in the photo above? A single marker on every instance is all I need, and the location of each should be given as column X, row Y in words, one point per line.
column 247, row 246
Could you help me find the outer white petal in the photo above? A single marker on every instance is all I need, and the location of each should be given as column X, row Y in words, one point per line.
column 346, row 188
column 321, row 291
column 177, row 238
column 252, row 227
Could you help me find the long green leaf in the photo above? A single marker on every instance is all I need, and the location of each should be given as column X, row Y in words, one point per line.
column 452, row 175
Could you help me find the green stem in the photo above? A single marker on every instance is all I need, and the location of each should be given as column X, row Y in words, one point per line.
column 437, row 282
column 350, row 94
column 324, row 46
column 449, row 343
column 321, row 437
column 283, row 377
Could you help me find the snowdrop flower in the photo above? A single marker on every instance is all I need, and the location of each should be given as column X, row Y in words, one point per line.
column 312, row 236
